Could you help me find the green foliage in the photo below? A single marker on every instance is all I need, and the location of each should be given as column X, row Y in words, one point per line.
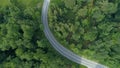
column 69, row 3
column 22, row 41
column 90, row 28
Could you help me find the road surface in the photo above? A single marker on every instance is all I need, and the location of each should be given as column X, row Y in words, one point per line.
column 62, row 50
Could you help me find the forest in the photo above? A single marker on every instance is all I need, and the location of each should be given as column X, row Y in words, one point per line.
column 22, row 41
column 89, row 28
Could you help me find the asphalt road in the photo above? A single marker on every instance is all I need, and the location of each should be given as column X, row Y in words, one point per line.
column 58, row 47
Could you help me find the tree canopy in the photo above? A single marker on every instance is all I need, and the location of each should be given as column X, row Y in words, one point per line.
column 89, row 28
column 22, row 41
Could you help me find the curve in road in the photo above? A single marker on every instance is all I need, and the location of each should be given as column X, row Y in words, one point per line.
column 62, row 50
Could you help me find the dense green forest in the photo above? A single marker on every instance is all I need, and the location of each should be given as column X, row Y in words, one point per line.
column 89, row 28
column 22, row 41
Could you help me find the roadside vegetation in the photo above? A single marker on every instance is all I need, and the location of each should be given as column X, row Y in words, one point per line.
column 89, row 28
column 22, row 41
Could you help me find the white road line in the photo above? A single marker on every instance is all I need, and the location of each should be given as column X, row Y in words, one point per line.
column 62, row 50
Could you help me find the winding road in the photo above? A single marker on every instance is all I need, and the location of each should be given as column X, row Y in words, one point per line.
column 62, row 50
